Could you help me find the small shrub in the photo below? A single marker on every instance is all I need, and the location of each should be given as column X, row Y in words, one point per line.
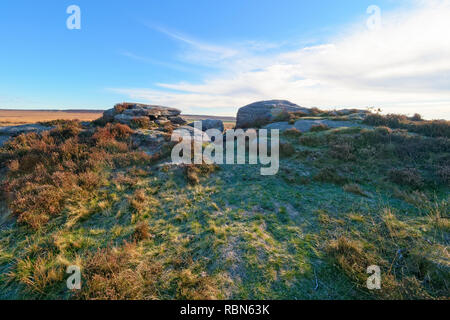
column 141, row 232
column 383, row 131
column 315, row 111
column 354, row 188
column 282, row 116
column 350, row 257
column 406, row 176
column 343, row 151
column 66, row 130
column 295, row 116
column 299, row 114
column 141, row 122
column 330, row 175
column 120, row 107
column 89, row 180
column 443, row 172
column 138, row 201
column 168, row 128
column 319, row 128
column 312, row 140
column 293, row 132
column 193, row 172
column 286, row 149
column 111, row 132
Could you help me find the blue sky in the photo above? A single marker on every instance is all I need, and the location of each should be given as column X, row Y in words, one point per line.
column 211, row 57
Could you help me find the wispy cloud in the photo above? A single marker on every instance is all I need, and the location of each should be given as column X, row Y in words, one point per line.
column 198, row 51
column 403, row 67
column 152, row 61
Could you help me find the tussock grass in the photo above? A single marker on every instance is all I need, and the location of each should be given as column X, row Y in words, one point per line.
column 194, row 172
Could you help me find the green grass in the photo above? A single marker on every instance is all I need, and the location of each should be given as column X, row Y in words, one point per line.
column 301, row 234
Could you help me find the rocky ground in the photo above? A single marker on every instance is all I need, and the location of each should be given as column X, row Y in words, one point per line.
column 155, row 122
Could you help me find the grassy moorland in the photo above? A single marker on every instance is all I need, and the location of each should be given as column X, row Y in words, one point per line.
column 141, row 228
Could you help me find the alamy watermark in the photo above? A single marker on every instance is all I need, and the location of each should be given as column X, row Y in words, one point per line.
column 74, row 280
column 374, row 280
column 197, row 147
column 73, row 22
column 374, row 21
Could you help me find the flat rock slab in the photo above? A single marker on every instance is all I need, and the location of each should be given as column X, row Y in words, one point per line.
column 26, row 128
column 306, row 125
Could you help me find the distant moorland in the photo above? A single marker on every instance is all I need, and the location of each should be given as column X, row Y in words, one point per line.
column 18, row 117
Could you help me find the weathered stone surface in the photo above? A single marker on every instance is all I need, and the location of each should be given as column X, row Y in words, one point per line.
column 170, row 112
column 178, row 120
column 109, row 114
column 306, row 125
column 210, row 124
column 124, row 119
column 185, row 131
column 150, row 141
column 135, row 113
column 162, row 122
column 125, row 113
column 263, row 112
column 153, row 109
column 26, row 128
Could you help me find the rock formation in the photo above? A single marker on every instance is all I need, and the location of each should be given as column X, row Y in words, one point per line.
column 138, row 115
column 261, row 113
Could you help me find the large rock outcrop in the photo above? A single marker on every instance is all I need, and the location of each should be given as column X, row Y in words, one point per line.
column 261, row 113
column 139, row 115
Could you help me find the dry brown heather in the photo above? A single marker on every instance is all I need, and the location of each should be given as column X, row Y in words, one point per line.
column 18, row 117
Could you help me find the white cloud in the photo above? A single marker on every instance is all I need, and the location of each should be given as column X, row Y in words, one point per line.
column 404, row 67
